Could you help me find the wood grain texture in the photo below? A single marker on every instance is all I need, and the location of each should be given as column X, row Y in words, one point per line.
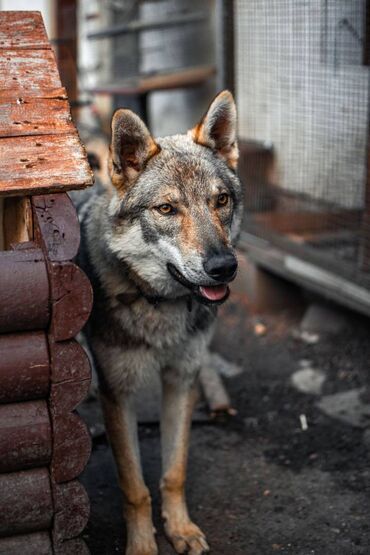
column 26, row 503
column 25, row 435
column 24, row 291
column 34, row 116
column 28, row 72
column 17, row 221
column 24, row 368
column 46, row 163
column 22, row 30
column 56, row 226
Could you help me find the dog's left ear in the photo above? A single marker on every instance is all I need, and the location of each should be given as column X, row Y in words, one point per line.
column 131, row 148
column 217, row 129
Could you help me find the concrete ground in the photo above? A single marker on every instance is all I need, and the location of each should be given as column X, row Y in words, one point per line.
column 283, row 475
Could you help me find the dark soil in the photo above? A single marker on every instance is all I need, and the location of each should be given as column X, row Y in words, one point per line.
column 257, row 483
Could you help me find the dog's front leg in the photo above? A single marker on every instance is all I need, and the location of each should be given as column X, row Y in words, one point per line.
column 121, row 425
column 177, row 407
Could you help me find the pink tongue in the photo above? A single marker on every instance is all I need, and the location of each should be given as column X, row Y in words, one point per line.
column 213, row 293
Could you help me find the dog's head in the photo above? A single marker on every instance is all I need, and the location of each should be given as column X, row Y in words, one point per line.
column 177, row 208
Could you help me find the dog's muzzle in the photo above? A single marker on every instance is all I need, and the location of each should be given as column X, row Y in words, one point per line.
column 206, row 294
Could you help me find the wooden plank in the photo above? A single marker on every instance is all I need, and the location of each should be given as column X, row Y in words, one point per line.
column 28, row 72
column 17, row 223
column 45, row 164
column 25, row 436
column 34, row 116
column 24, row 291
column 57, row 229
column 25, row 368
column 183, row 78
column 22, row 30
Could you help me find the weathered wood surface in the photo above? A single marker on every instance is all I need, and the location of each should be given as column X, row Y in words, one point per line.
column 28, row 72
column 35, row 116
column 57, row 228
column 24, row 291
column 25, row 435
column 71, row 297
column 39, row 148
column 17, row 221
column 26, row 502
column 42, row 163
column 38, row 543
column 24, row 368
column 22, row 30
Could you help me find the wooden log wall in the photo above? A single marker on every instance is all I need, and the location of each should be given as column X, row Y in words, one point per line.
column 44, row 375
column 45, row 300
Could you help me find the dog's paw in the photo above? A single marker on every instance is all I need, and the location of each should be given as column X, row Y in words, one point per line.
column 187, row 538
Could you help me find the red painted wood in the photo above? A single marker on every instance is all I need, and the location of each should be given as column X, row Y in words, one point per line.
column 24, row 368
column 24, row 291
column 25, row 435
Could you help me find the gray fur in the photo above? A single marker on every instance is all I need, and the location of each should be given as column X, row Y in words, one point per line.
column 144, row 321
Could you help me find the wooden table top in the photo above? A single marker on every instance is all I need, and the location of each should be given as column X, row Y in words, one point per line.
column 40, row 150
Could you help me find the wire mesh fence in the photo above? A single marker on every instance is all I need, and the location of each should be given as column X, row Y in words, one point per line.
column 302, row 84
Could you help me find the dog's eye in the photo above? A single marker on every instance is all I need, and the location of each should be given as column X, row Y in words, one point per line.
column 222, row 199
column 166, row 209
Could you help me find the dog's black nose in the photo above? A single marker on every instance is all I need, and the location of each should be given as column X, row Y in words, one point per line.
column 221, row 267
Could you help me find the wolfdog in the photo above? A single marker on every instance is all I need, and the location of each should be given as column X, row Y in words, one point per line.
column 158, row 246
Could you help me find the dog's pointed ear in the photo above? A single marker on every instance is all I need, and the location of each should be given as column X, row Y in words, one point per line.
column 217, row 129
column 131, row 148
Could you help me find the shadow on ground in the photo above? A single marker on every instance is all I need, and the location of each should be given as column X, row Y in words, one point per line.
column 258, row 483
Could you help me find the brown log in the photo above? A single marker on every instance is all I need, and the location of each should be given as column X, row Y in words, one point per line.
column 38, row 543
column 71, row 547
column 71, row 447
column 26, row 503
column 25, row 435
column 24, row 291
column 71, row 296
column 72, row 510
column 70, row 375
column 56, row 226
column 24, row 368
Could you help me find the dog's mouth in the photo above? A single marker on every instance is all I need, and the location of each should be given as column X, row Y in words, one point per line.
column 206, row 294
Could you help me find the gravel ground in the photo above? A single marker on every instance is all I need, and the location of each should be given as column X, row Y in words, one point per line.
column 257, row 483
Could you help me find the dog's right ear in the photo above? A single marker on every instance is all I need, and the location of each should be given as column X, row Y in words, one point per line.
column 131, row 148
